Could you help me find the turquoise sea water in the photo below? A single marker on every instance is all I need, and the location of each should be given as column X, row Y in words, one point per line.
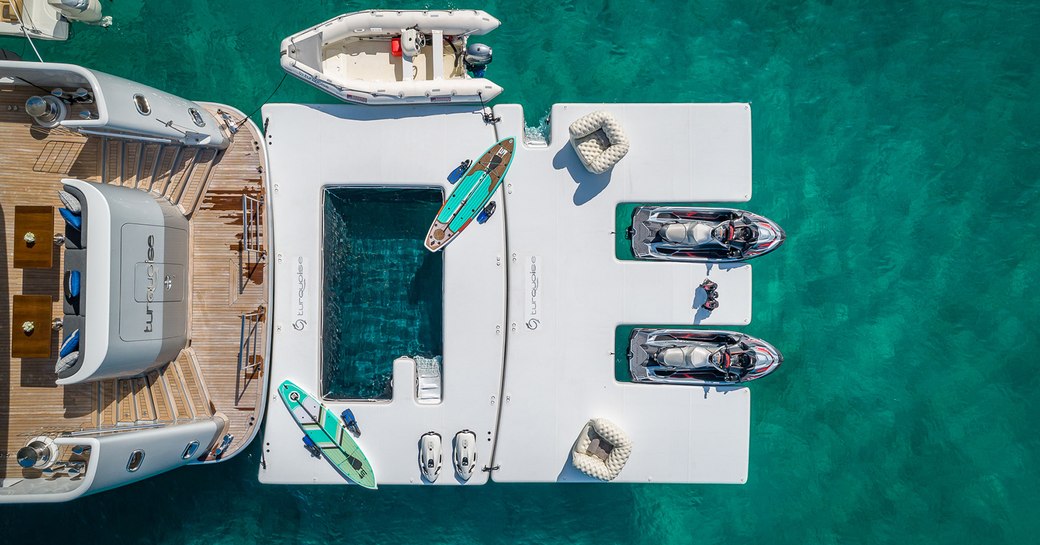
column 382, row 288
column 895, row 142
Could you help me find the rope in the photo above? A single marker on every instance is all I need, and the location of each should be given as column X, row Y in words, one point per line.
column 34, row 85
column 268, row 99
column 26, row 32
column 507, row 261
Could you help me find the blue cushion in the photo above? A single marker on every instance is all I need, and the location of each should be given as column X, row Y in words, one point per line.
column 70, row 345
column 72, row 285
column 73, row 219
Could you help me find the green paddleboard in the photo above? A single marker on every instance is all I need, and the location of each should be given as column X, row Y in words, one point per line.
column 328, row 433
column 470, row 195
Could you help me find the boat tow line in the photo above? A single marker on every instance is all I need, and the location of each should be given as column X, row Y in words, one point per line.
column 268, row 99
column 25, row 30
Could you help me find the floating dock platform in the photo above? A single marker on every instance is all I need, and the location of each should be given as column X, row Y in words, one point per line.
column 532, row 300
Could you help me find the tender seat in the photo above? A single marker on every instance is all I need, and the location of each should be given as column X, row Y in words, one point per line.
column 599, row 141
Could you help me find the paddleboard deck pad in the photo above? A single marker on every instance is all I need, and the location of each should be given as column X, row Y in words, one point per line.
column 328, row 433
column 471, row 194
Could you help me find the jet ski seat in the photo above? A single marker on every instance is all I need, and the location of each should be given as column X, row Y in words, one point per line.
column 686, row 356
column 688, row 233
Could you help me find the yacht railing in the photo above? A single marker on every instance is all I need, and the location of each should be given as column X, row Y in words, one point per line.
column 250, row 351
column 253, row 251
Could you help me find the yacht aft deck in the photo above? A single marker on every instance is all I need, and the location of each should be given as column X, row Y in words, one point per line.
column 207, row 377
column 524, row 387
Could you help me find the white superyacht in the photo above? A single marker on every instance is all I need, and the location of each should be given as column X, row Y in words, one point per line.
column 157, row 312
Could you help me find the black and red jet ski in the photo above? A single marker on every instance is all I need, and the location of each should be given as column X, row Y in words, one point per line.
column 712, row 358
column 686, row 233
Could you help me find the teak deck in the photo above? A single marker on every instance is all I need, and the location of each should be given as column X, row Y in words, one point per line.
column 226, row 283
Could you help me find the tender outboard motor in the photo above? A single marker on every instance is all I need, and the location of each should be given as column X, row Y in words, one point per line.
column 47, row 110
column 87, row 11
column 478, row 56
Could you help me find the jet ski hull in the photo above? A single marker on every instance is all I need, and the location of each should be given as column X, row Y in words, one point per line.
column 649, row 243
column 646, row 344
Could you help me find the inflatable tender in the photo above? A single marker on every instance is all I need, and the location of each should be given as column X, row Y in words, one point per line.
column 599, row 141
column 602, row 449
column 396, row 57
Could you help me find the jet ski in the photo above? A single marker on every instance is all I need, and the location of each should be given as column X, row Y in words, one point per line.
column 430, row 455
column 465, row 454
column 709, row 358
column 713, row 235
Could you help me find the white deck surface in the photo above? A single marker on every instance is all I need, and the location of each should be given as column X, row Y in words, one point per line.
column 559, row 374
column 314, row 146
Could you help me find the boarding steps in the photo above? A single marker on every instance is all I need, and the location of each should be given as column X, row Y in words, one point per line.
column 173, row 393
column 178, row 173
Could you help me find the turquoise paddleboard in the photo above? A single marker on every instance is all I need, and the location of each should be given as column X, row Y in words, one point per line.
column 470, row 195
column 328, row 433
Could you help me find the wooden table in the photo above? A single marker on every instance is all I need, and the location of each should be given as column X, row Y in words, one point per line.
column 35, row 309
column 38, row 220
